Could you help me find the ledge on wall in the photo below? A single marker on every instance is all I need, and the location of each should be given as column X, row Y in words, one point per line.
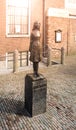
column 66, row 13
column 57, row 12
column 72, row 12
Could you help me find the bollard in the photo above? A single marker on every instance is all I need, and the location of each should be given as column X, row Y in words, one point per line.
column 6, row 60
column 28, row 59
column 20, row 59
column 49, row 56
column 62, row 55
column 15, row 61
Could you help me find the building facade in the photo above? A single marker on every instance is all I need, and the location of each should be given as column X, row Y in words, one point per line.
column 57, row 18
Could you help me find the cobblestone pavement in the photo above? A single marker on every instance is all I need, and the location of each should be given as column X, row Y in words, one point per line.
column 61, row 99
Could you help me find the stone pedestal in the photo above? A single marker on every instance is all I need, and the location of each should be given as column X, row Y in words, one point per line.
column 35, row 94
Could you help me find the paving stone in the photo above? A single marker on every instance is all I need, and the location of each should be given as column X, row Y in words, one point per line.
column 61, row 99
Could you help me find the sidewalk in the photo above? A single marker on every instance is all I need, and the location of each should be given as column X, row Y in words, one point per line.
column 61, row 99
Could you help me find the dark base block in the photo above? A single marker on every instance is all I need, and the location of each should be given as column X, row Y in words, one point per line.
column 35, row 94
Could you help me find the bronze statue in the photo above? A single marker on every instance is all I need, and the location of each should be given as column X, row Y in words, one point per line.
column 35, row 49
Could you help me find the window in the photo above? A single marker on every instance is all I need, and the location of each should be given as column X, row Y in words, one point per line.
column 17, row 14
column 58, row 34
column 70, row 5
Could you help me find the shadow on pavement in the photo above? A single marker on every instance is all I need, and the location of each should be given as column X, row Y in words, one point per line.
column 12, row 106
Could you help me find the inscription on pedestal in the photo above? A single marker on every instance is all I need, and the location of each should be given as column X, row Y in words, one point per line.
column 35, row 94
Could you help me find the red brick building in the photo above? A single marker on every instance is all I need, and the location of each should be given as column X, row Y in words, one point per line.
column 17, row 18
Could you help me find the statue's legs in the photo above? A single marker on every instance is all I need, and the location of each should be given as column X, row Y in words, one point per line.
column 35, row 68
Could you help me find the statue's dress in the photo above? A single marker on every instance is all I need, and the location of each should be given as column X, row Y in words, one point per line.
column 35, row 49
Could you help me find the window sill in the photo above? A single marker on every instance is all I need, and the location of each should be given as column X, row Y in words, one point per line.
column 17, row 36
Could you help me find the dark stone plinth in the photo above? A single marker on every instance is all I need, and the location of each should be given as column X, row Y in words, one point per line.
column 35, row 94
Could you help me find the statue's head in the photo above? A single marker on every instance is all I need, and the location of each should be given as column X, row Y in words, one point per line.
column 36, row 25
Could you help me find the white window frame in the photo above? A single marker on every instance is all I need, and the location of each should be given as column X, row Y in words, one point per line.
column 17, row 35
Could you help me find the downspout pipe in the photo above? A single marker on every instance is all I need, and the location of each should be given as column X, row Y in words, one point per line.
column 43, row 27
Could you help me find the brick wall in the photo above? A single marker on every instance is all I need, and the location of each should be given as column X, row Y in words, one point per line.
column 72, row 36
column 68, row 28
column 54, row 3
column 8, row 44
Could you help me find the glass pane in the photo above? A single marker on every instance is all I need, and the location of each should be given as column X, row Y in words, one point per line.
column 24, row 29
column 17, row 19
column 10, row 19
column 24, row 11
column 11, row 10
column 17, row 11
column 11, row 29
column 24, row 20
column 17, row 29
column 18, row 3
